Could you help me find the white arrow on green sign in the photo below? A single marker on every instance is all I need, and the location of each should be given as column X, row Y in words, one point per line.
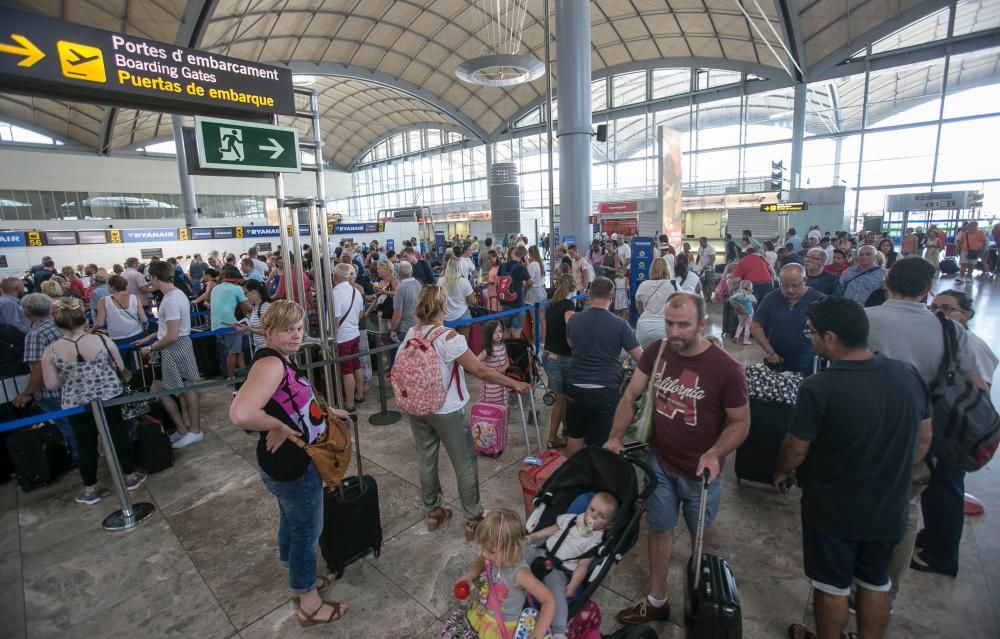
column 235, row 145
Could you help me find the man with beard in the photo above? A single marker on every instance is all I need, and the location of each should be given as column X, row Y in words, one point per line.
column 702, row 415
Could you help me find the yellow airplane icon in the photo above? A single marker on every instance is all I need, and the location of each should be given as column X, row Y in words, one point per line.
column 81, row 61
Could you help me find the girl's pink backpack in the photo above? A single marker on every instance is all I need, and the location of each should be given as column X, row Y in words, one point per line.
column 586, row 624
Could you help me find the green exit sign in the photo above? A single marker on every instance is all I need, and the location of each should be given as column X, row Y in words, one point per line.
column 234, row 145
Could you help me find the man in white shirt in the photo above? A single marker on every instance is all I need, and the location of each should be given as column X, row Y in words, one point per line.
column 624, row 252
column 258, row 266
column 347, row 306
column 466, row 265
column 178, row 366
column 579, row 269
column 706, row 262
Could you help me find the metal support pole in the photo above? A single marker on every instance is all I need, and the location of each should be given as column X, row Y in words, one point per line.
column 129, row 515
column 549, row 139
column 575, row 117
column 944, row 92
column 300, row 282
column 385, row 416
column 187, row 182
column 864, row 127
column 798, row 132
column 321, row 267
column 324, row 285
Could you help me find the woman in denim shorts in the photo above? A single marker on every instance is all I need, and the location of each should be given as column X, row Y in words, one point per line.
column 558, row 357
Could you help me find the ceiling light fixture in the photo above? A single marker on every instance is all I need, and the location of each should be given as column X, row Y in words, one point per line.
column 501, row 65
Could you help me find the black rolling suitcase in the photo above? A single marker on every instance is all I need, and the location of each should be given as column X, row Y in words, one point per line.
column 757, row 456
column 352, row 525
column 39, row 455
column 711, row 601
column 948, row 265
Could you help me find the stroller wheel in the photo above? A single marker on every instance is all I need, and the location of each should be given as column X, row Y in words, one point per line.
column 549, row 398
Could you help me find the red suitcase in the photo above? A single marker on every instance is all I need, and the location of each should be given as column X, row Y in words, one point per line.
column 532, row 477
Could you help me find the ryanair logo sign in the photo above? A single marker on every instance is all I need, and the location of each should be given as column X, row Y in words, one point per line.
column 13, row 238
column 149, row 235
column 260, row 231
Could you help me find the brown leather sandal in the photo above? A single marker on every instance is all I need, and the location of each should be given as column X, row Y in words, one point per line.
column 437, row 518
column 322, row 584
column 339, row 610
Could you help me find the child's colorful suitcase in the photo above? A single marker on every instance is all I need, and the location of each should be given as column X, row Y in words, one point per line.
column 488, row 423
column 532, row 477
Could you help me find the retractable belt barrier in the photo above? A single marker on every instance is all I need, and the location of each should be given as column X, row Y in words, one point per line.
column 135, row 397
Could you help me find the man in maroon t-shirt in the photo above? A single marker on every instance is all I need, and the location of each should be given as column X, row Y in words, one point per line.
column 702, row 415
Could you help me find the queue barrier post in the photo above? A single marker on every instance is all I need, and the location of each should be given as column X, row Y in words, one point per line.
column 129, row 515
column 537, row 330
column 385, row 416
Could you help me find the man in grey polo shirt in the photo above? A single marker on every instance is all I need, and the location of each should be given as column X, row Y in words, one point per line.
column 903, row 328
column 404, row 302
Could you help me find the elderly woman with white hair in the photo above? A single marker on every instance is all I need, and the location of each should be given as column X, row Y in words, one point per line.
column 348, row 303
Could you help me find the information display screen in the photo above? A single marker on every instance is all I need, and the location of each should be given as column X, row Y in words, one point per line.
column 59, row 238
column 91, row 237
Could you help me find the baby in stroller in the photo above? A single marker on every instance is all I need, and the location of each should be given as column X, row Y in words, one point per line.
column 565, row 551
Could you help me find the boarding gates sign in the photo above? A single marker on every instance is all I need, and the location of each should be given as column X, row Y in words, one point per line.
column 57, row 59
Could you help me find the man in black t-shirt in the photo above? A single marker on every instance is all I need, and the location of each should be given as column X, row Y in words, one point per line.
column 855, row 460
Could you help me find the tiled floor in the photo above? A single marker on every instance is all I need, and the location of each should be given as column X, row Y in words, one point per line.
column 205, row 565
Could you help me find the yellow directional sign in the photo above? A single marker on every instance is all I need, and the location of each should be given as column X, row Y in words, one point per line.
column 34, row 238
column 27, row 48
column 81, row 62
column 62, row 60
column 115, row 235
column 182, row 234
column 784, row 207
column 239, row 231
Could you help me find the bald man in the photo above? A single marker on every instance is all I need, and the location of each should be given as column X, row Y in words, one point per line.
column 10, row 304
column 779, row 323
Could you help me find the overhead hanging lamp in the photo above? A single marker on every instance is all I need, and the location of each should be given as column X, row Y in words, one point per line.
column 502, row 64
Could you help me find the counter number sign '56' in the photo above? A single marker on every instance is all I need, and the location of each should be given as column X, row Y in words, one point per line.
column 57, row 59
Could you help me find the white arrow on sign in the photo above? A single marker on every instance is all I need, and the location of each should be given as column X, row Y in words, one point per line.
column 274, row 146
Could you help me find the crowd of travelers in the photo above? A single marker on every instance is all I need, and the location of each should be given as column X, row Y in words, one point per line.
column 851, row 301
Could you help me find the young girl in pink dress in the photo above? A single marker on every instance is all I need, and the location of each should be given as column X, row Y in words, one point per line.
column 495, row 356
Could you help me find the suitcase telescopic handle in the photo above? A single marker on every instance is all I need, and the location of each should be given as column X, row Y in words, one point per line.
column 700, row 531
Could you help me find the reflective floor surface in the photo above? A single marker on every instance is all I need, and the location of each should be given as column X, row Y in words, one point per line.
column 205, row 565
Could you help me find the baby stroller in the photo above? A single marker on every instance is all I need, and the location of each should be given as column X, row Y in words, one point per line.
column 569, row 490
column 524, row 368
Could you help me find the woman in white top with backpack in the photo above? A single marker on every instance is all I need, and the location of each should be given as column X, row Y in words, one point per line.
column 436, row 406
column 650, row 300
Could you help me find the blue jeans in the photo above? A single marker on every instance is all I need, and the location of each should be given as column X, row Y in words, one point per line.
column 676, row 493
column 51, row 404
column 300, row 502
column 942, row 504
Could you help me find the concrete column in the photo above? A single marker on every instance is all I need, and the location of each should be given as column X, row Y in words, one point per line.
column 575, row 117
column 190, row 204
column 798, row 133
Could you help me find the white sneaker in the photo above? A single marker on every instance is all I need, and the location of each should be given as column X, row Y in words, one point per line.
column 187, row 440
column 175, row 436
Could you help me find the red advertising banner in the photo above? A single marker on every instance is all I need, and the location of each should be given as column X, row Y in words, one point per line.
column 617, row 207
column 625, row 226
